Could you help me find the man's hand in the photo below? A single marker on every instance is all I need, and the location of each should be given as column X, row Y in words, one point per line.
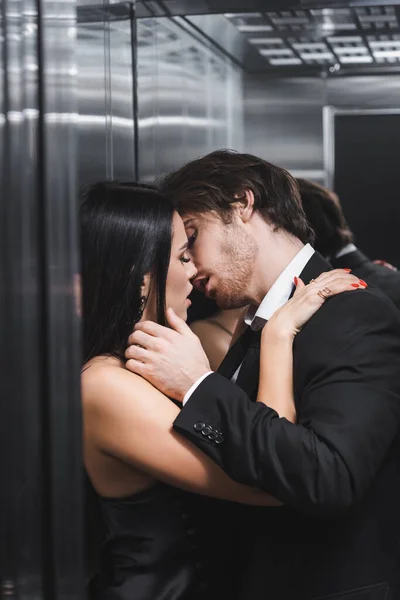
column 170, row 359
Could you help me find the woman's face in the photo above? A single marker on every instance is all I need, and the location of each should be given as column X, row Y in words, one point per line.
column 181, row 270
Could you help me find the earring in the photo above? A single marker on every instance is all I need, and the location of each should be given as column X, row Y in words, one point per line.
column 142, row 306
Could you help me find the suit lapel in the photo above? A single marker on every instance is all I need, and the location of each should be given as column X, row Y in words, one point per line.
column 315, row 266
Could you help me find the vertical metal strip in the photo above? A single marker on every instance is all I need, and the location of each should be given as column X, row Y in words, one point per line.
column 47, row 531
column 135, row 99
column 328, row 129
column 4, row 354
column 41, row 541
column 108, row 92
column 62, row 423
column 209, row 84
column 22, row 341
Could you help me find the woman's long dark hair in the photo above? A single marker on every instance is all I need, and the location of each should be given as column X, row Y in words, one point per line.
column 126, row 232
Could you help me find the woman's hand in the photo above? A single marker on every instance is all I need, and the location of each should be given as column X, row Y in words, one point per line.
column 384, row 263
column 276, row 352
column 307, row 299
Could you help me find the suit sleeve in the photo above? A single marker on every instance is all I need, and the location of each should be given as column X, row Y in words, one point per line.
column 349, row 415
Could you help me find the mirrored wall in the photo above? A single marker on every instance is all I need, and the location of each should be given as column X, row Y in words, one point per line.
column 189, row 96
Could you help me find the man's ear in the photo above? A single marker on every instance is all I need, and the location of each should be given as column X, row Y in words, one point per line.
column 246, row 206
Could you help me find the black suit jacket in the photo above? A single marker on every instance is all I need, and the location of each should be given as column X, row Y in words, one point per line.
column 378, row 275
column 337, row 471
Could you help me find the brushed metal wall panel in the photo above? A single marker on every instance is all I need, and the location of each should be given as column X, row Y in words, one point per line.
column 93, row 154
column 284, row 116
column 190, row 97
column 41, row 541
column 364, row 92
column 106, row 94
column 21, row 381
column 62, row 414
column 122, row 99
column 283, row 120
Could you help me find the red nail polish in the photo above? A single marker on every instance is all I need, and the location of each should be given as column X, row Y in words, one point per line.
column 296, row 281
column 347, row 270
column 364, row 283
column 355, row 285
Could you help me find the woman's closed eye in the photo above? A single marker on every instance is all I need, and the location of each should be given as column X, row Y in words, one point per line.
column 185, row 259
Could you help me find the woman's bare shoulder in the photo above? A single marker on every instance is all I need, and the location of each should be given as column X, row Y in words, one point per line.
column 106, row 377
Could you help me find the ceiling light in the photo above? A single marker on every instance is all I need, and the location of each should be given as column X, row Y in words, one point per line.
column 355, row 59
column 386, row 53
column 243, row 15
column 350, row 50
column 276, row 52
column 317, row 56
column 284, row 61
column 254, row 28
column 309, row 46
column 377, row 18
column 385, row 44
column 330, row 12
column 347, row 39
column 261, row 40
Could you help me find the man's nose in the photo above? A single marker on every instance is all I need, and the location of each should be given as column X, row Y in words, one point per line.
column 193, row 272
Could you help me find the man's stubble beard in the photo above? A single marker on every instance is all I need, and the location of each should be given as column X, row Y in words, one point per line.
column 236, row 270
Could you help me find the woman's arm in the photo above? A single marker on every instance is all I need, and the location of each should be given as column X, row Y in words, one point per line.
column 275, row 387
column 276, row 355
column 127, row 418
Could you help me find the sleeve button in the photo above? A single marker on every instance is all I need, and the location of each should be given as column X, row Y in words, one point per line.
column 206, row 430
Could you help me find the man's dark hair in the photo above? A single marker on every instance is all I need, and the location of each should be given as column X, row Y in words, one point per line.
column 218, row 180
column 325, row 215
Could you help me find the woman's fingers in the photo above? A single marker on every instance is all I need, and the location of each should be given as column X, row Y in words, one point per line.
column 322, row 288
column 307, row 299
column 338, row 284
column 329, row 276
column 300, row 285
column 327, row 280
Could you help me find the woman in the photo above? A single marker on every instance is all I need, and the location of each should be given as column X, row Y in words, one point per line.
column 134, row 265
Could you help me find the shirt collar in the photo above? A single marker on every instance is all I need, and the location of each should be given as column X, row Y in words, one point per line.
column 346, row 250
column 280, row 291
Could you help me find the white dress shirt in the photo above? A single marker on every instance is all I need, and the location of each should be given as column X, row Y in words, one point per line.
column 275, row 298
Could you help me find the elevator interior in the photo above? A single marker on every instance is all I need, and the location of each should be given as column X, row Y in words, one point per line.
column 273, row 82
column 97, row 89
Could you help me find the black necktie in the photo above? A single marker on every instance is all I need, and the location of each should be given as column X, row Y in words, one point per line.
column 235, row 355
column 249, row 371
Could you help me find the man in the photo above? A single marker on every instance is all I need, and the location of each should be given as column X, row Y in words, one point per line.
column 334, row 240
column 337, row 470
